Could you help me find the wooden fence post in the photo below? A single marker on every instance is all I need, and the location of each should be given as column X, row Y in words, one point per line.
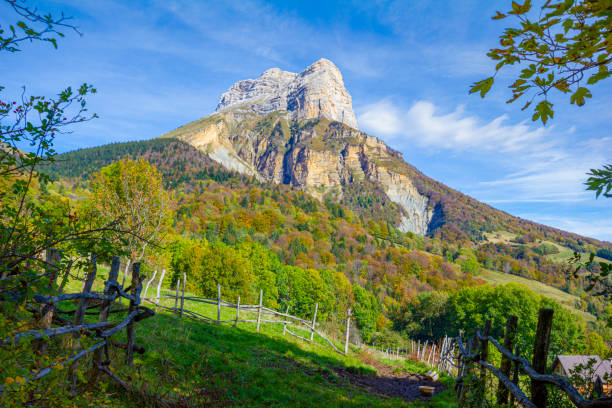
column 285, row 324
column 348, row 330
column 469, row 371
column 259, row 310
column 46, row 310
column 314, row 319
column 506, row 363
column 183, row 294
column 539, row 393
column 104, row 312
column 125, row 272
column 178, row 283
column 515, row 373
column 161, row 279
column 484, row 356
column 238, row 312
column 79, row 315
column 136, row 287
column 218, row 303
column 484, row 349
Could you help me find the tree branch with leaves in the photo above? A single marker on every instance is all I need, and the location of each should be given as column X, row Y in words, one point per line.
column 565, row 46
column 562, row 46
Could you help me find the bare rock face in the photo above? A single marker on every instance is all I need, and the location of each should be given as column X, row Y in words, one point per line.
column 254, row 132
column 317, row 91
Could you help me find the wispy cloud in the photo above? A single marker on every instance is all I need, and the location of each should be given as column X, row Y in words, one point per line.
column 459, row 131
column 518, row 162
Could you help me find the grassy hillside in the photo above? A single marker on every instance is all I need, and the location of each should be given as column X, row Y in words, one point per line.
column 559, row 253
column 570, row 301
column 198, row 364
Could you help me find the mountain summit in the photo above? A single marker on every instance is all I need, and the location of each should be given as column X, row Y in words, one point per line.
column 300, row 130
column 316, row 91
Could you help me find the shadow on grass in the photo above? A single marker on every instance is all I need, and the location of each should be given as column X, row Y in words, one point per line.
column 210, row 365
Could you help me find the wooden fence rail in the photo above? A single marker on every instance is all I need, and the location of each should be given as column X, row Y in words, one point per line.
column 101, row 330
column 440, row 355
column 278, row 317
column 536, row 371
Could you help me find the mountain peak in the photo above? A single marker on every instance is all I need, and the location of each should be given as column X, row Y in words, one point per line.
column 316, row 91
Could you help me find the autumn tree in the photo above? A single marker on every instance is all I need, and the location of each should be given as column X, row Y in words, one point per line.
column 132, row 192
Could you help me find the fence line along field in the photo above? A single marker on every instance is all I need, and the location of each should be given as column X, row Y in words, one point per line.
column 239, row 313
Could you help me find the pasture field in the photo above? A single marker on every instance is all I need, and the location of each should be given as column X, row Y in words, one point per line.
column 198, row 363
column 499, row 278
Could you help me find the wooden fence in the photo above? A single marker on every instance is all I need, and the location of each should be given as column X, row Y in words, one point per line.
column 439, row 354
column 258, row 313
column 477, row 352
column 101, row 331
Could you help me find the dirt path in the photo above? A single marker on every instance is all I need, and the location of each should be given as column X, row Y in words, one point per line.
column 390, row 381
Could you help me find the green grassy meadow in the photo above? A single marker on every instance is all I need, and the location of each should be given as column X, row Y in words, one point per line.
column 199, row 364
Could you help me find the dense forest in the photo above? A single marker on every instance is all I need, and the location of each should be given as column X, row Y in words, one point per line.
column 250, row 235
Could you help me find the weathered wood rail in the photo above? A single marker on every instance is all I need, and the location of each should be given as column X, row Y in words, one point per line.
column 102, row 330
column 476, row 354
column 263, row 314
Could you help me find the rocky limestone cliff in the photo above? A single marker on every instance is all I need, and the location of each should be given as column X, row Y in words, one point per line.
column 317, row 91
column 299, row 129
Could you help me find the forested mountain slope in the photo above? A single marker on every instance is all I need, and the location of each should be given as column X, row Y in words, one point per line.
column 351, row 237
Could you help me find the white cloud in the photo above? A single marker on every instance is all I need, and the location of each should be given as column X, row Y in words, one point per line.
column 514, row 163
column 423, row 125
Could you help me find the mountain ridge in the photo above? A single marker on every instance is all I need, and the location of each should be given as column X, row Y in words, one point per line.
column 316, row 91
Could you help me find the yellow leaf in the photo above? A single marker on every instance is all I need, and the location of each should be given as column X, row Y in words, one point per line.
column 9, row 380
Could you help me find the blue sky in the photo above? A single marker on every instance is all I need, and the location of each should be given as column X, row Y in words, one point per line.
column 407, row 64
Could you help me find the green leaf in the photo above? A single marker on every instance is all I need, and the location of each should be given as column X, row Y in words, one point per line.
column 515, row 97
column 579, row 96
column 600, row 181
column 498, row 16
column 543, row 111
column 562, row 86
column 517, row 83
column 526, row 106
column 528, row 72
column 518, row 9
column 483, row 87
column 598, row 77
